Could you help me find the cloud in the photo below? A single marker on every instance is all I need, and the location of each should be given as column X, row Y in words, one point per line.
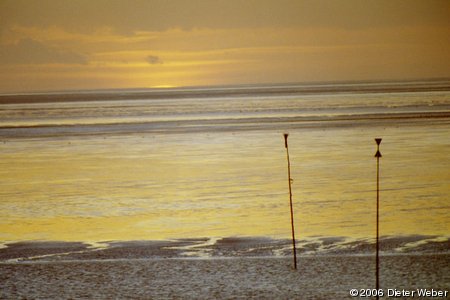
column 154, row 60
column 127, row 16
column 29, row 51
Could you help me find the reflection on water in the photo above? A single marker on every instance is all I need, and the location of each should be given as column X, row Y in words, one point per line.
column 191, row 185
column 150, row 185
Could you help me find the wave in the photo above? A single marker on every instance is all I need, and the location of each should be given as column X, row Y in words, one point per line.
column 222, row 124
column 279, row 107
column 226, row 247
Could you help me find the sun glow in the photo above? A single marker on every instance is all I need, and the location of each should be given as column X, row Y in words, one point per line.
column 163, row 86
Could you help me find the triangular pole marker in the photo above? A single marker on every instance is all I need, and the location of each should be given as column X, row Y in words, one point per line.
column 377, row 271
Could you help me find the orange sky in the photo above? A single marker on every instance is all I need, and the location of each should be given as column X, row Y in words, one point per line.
column 84, row 44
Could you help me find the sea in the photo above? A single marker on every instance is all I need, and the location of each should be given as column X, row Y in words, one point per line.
column 183, row 193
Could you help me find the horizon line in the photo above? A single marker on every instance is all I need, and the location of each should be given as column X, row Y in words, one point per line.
column 231, row 86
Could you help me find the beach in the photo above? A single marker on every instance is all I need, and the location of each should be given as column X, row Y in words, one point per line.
column 229, row 268
column 183, row 193
column 323, row 277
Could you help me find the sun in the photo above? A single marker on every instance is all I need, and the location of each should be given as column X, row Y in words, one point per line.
column 163, row 86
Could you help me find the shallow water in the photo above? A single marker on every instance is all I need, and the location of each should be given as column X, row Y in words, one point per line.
column 210, row 166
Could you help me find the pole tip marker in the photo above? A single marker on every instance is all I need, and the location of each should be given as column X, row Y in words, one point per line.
column 285, row 139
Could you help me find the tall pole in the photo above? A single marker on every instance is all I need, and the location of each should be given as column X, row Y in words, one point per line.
column 377, row 271
column 290, row 200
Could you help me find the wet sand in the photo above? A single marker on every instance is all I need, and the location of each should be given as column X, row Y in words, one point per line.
column 225, row 268
column 320, row 277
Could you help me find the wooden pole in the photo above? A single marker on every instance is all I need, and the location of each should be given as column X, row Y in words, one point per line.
column 377, row 270
column 290, row 200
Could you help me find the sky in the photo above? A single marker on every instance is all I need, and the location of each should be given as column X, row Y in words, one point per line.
column 55, row 45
